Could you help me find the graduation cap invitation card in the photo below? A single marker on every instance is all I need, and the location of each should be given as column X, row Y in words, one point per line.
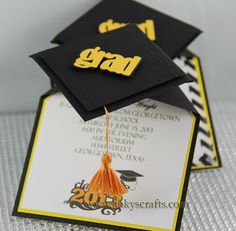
column 115, row 139
column 171, row 34
column 149, row 157
column 124, row 75
column 206, row 153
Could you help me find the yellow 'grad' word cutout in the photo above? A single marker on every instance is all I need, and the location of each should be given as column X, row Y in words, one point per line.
column 94, row 58
column 146, row 27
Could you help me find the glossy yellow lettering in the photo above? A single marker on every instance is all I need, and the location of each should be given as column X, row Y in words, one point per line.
column 95, row 57
column 90, row 58
column 146, row 27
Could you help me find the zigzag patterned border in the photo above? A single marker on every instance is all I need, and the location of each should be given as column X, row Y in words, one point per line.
column 206, row 152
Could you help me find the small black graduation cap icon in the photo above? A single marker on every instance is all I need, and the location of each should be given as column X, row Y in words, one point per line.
column 129, row 175
column 172, row 35
column 90, row 89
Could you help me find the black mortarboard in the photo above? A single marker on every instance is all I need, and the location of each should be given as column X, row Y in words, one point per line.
column 129, row 175
column 88, row 90
column 170, row 34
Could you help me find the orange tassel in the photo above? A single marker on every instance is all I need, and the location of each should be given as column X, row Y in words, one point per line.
column 105, row 180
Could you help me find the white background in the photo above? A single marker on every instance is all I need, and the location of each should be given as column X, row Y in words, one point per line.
column 27, row 26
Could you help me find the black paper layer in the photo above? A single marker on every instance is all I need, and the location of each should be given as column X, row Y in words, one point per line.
column 172, row 35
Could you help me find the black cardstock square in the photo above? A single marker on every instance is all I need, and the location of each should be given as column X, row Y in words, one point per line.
column 90, row 90
column 172, row 35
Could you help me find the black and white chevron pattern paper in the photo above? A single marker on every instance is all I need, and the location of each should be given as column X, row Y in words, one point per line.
column 206, row 153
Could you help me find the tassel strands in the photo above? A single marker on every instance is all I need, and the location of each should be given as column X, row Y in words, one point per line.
column 105, row 180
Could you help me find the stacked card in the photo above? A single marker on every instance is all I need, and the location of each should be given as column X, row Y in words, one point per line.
column 131, row 60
